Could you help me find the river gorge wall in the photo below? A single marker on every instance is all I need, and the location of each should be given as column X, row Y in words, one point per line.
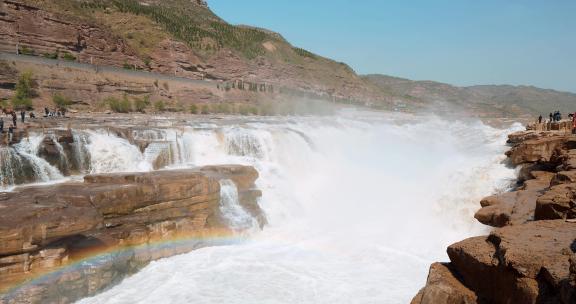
column 530, row 255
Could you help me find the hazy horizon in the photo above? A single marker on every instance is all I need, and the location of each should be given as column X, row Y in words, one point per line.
column 463, row 43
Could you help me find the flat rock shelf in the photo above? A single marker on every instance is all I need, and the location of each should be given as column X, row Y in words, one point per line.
column 63, row 242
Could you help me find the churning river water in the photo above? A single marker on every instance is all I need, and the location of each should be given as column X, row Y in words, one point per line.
column 358, row 206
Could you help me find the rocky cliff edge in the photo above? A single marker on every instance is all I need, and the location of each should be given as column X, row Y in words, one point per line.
column 530, row 256
column 59, row 243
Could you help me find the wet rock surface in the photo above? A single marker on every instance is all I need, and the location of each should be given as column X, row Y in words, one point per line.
column 530, row 256
column 108, row 227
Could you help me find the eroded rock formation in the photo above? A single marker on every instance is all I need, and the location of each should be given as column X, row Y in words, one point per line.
column 113, row 225
column 530, row 257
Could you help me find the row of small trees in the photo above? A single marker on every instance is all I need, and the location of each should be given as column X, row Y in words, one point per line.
column 183, row 26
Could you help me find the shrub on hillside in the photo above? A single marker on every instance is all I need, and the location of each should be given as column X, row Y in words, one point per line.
column 193, row 109
column 119, row 105
column 68, row 57
column 51, row 55
column 61, row 101
column 140, row 104
column 22, row 100
column 24, row 50
column 159, row 106
column 205, row 109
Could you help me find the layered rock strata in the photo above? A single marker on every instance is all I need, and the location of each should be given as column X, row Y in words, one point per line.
column 530, row 256
column 108, row 227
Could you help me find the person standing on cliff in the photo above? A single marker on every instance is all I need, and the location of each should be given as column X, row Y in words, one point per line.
column 550, row 117
column 23, row 115
column 540, row 119
column 10, row 134
column 574, row 123
column 14, row 119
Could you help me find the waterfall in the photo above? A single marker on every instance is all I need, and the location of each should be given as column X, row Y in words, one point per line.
column 20, row 163
column 81, row 153
column 63, row 158
column 350, row 201
column 10, row 167
column 110, row 153
column 28, row 149
column 358, row 207
column 238, row 219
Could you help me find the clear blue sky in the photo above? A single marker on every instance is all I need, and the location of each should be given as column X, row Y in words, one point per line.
column 462, row 42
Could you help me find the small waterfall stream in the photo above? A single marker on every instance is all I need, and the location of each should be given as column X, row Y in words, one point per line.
column 238, row 218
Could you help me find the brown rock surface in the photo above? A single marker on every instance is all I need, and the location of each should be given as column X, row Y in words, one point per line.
column 557, row 203
column 45, row 227
column 513, row 208
column 442, row 286
column 517, row 264
column 541, row 149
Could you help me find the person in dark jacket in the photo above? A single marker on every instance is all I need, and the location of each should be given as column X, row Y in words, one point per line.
column 23, row 115
column 540, row 119
column 10, row 134
column 1, row 125
column 14, row 119
column 551, row 117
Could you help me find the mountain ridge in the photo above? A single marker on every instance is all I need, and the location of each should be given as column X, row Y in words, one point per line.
column 511, row 99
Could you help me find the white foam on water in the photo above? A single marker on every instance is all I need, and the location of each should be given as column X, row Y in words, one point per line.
column 232, row 211
column 358, row 208
column 28, row 149
column 110, row 153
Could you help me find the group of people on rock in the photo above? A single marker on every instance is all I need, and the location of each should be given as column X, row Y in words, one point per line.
column 557, row 116
column 12, row 127
column 554, row 117
column 59, row 112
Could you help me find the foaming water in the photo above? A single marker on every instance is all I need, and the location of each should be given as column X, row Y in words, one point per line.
column 110, row 153
column 357, row 208
column 238, row 218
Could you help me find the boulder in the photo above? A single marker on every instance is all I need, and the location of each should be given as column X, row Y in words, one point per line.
column 541, row 149
column 526, row 263
column 517, row 207
column 443, row 286
column 557, row 203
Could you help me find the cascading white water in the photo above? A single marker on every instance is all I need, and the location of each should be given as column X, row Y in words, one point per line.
column 10, row 165
column 109, row 153
column 357, row 208
column 81, row 153
column 238, row 219
column 63, row 158
column 28, row 149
